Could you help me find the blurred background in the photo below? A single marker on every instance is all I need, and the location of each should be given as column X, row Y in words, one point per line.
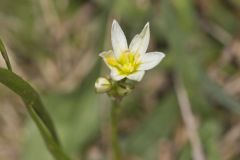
column 54, row 44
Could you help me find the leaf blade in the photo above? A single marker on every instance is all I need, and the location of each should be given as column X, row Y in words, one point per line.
column 5, row 55
column 36, row 109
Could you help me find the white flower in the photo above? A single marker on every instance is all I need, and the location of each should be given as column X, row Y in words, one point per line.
column 130, row 62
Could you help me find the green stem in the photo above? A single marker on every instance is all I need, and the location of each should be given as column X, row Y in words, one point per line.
column 117, row 155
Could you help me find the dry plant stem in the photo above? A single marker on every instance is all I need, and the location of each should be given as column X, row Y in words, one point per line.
column 189, row 121
column 116, row 151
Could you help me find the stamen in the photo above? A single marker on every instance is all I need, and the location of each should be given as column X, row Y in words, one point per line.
column 126, row 64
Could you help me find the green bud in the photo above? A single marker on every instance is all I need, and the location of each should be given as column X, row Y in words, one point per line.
column 123, row 90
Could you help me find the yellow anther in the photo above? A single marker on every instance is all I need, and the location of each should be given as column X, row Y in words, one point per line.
column 127, row 63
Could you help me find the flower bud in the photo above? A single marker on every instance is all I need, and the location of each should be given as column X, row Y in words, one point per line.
column 102, row 85
column 123, row 90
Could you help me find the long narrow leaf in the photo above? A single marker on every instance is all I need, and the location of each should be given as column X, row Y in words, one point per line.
column 5, row 56
column 36, row 109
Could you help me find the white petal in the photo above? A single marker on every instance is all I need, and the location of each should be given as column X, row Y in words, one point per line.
column 150, row 60
column 115, row 75
column 119, row 42
column 140, row 42
column 137, row 76
column 105, row 55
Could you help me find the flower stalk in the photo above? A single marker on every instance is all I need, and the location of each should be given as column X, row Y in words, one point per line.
column 116, row 149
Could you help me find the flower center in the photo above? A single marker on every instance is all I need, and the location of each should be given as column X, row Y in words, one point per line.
column 127, row 63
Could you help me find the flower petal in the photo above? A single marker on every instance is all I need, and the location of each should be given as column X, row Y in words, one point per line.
column 140, row 42
column 119, row 42
column 108, row 56
column 150, row 60
column 137, row 76
column 115, row 75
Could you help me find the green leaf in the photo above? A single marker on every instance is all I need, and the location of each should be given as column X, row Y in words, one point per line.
column 5, row 55
column 77, row 116
column 36, row 109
